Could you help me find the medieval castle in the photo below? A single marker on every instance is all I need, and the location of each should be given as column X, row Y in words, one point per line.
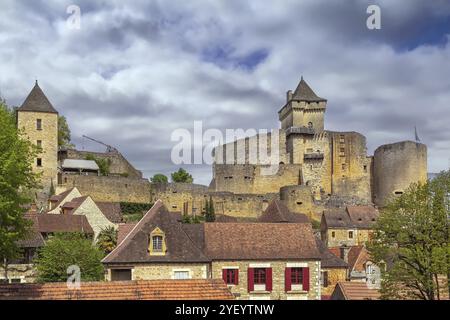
column 318, row 169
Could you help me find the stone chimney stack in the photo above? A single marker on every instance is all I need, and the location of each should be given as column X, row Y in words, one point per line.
column 288, row 95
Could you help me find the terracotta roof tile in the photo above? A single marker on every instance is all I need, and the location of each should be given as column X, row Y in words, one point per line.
column 124, row 230
column 357, row 291
column 203, row 289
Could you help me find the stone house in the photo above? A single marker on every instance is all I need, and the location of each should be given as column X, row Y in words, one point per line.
column 21, row 269
column 361, row 268
column 333, row 270
column 256, row 260
column 351, row 226
column 99, row 214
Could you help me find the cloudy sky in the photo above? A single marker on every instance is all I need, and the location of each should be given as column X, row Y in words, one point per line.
column 134, row 72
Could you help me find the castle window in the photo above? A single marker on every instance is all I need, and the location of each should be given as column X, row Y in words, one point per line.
column 310, row 125
column 365, row 168
column 343, row 166
column 299, row 203
column 398, row 192
column 333, row 234
column 39, row 162
column 39, row 144
column 38, row 124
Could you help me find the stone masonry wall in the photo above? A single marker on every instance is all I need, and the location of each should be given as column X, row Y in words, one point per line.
column 278, row 280
column 113, row 189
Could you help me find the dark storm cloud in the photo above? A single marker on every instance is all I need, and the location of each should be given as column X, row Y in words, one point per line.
column 138, row 70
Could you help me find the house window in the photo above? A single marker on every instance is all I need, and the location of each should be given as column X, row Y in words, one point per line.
column 181, row 275
column 333, row 234
column 296, row 276
column 39, row 144
column 39, row 162
column 310, row 125
column 324, row 279
column 260, row 276
column 120, row 274
column 230, row 276
column 38, row 124
column 350, row 234
column 157, row 243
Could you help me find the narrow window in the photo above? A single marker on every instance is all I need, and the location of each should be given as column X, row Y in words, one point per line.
column 157, row 243
column 38, row 124
column 365, row 168
column 39, row 162
column 310, row 125
column 350, row 234
column 333, row 234
column 324, row 279
column 39, row 144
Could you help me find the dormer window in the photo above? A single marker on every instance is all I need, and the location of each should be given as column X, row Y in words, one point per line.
column 157, row 242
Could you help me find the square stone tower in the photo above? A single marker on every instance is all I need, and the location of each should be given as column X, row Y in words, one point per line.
column 39, row 122
column 303, row 109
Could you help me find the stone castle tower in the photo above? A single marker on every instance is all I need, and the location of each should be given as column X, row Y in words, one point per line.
column 39, row 121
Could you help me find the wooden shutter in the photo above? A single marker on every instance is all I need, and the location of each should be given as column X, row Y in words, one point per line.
column 306, row 279
column 224, row 275
column 287, row 279
column 236, row 276
column 250, row 279
column 268, row 279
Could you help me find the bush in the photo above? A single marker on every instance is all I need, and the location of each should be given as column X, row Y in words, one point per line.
column 67, row 249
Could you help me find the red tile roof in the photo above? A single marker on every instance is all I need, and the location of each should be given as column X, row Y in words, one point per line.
column 356, row 291
column 203, row 289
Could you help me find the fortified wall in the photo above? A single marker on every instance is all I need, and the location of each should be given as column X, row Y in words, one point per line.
column 108, row 188
column 119, row 165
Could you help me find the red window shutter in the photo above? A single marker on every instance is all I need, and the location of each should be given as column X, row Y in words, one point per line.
column 250, row 280
column 306, row 279
column 268, row 279
column 287, row 279
column 236, row 276
column 224, row 275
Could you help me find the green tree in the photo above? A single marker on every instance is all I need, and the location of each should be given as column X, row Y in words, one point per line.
column 67, row 249
column 182, row 176
column 210, row 215
column 16, row 182
column 411, row 237
column 64, row 133
column 104, row 164
column 107, row 239
column 159, row 178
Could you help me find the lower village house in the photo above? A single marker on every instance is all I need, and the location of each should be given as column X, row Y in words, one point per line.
column 271, row 259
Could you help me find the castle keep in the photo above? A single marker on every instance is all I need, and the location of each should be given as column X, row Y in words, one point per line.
column 318, row 169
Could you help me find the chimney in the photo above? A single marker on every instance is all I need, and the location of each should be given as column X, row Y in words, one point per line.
column 344, row 253
column 288, row 95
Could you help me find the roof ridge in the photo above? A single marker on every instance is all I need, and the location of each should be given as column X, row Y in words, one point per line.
column 155, row 207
